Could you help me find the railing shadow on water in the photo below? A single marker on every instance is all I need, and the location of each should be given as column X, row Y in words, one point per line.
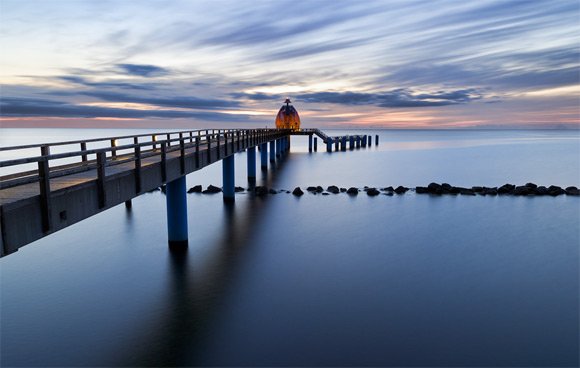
column 193, row 299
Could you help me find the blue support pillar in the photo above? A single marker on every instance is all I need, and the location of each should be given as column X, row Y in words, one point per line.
column 272, row 151
column 358, row 141
column 351, row 142
column 343, row 144
column 370, row 140
column 176, row 200
column 310, row 143
column 288, row 143
column 229, row 183
column 278, row 147
column 251, row 163
column 264, row 156
column 315, row 144
column 329, row 145
column 376, row 140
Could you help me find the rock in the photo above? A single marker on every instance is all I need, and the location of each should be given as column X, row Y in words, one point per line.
column 455, row 190
column 195, row 189
column 573, row 191
column 352, row 191
column 319, row 189
column 373, row 192
column 260, row 191
column 477, row 189
column 400, row 189
column 390, row 194
column 520, row 190
column 465, row 191
column 540, row 191
column 297, row 191
column 212, row 189
column 420, row 190
column 333, row 189
column 388, row 189
column 311, row 189
column 554, row 190
column 272, row 191
column 325, row 193
column 343, row 190
column 446, row 186
column 288, row 191
column 490, row 191
column 434, row 188
column 531, row 185
column 506, row 188
column 238, row 189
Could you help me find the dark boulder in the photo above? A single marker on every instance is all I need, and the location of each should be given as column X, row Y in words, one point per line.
column 434, row 188
column 195, row 189
column 352, row 191
column 477, row 189
column 212, row 189
column 506, row 188
column 446, row 186
column 520, row 190
column 319, row 189
column 401, row 189
column 388, row 189
column 272, row 191
column 421, row 190
column 465, row 191
column 373, row 192
column 490, row 191
column 333, row 189
column 573, row 191
column 238, row 189
column 297, row 191
column 554, row 190
column 343, row 190
column 325, row 193
column 531, row 185
column 455, row 190
column 260, row 191
column 311, row 189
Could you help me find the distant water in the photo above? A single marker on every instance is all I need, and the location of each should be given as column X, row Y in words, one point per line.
column 409, row 280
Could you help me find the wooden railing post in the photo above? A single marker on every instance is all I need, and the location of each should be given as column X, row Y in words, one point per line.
column 208, row 139
column 163, row 161
column 137, row 167
column 168, row 140
column 101, row 192
column 197, row 151
column 182, row 153
column 218, row 144
column 44, row 176
column 113, row 152
column 84, row 148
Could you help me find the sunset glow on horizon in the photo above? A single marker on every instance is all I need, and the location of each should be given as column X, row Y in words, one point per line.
column 344, row 64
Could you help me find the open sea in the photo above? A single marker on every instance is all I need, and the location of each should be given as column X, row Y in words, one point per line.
column 411, row 280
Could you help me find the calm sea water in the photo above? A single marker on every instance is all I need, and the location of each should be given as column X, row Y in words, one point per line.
column 409, row 280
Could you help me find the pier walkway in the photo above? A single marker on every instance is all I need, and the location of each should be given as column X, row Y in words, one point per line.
column 51, row 195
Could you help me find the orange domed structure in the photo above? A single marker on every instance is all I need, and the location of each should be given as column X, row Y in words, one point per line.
column 287, row 117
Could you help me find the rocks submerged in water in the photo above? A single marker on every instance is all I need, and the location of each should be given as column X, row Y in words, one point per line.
column 297, row 191
column 373, row 192
column 195, row 189
column 352, row 191
column 212, row 190
column 333, row 189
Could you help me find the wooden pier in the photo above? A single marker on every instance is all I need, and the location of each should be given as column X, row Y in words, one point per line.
column 36, row 203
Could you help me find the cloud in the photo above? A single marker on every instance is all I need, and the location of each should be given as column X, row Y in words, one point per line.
column 143, row 70
column 175, row 102
column 25, row 107
column 393, row 99
column 122, row 85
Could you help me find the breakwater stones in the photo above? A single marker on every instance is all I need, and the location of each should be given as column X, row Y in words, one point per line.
column 529, row 189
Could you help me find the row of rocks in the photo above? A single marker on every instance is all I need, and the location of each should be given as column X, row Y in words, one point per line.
column 529, row 189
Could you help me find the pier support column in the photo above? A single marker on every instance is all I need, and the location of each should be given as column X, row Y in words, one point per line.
column 351, row 142
column 264, row 156
column 251, row 163
column 343, row 144
column 370, row 140
column 329, row 145
column 278, row 147
column 272, row 151
column 288, row 143
column 310, row 143
column 376, row 140
column 336, row 145
column 229, row 184
column 357, row 141
column 315, row 144
column 363, row 141
column 176, row 200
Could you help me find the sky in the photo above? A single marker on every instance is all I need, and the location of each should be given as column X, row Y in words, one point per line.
column 344, row 64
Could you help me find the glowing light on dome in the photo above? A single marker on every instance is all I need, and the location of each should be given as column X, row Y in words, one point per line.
column 287, row 117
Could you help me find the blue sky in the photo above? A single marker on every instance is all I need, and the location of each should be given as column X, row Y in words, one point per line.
column 344, row 64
